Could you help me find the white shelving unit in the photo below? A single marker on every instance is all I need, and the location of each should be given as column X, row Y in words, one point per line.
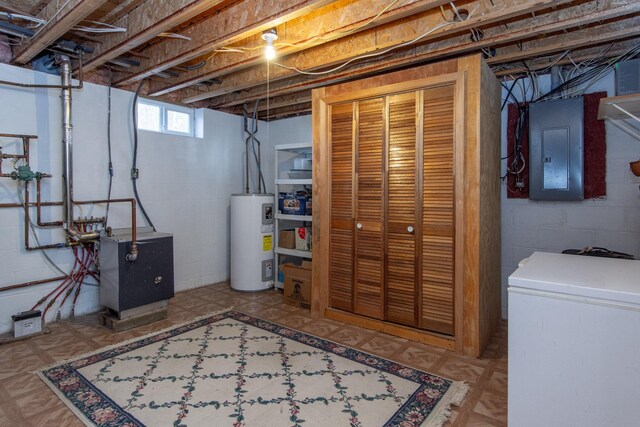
column 284, row 159
column 618, row 109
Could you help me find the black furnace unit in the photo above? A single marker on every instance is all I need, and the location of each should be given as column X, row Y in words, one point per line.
column 133, row 288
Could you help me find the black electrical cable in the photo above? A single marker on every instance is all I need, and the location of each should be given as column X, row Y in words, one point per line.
column 110, row 164
column 509, row 91
column 598, row 68
column 134, row 170
column 253, row 141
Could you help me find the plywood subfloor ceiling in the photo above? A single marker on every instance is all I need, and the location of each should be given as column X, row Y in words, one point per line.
column 219, row 60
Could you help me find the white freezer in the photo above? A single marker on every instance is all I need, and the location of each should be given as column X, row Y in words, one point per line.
column 574, row 342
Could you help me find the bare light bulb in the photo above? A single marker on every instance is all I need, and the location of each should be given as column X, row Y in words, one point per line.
column 269, row 36
column 269, row 52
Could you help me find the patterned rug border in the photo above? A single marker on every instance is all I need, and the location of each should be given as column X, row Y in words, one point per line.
column 440, row 413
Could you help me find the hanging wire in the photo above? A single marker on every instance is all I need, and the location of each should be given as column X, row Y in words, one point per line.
column 134, row 170
column 101, row 28
column 110, row 164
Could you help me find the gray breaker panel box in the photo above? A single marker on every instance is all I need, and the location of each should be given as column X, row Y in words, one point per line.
column 556, row 155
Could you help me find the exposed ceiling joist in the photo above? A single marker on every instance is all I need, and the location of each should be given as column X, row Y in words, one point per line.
column 576, row 56
column 276, row 103
column 574, row 40
column 144, row 23
column 121, row 10
column 229, row 26
column 329, row 23
column 550, row 23
column 13, row 6
column 323, row 42
column 375, row 40
column 60, row 16
column 289, row 111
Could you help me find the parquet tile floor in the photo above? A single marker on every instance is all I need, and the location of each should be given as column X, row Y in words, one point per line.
column 26, row 401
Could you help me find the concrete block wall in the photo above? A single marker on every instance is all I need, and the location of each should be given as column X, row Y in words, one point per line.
column 612, row 222
column 185, row 184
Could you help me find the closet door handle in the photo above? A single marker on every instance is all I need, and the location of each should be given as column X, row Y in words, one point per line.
column 359, row 226
column 410, row 229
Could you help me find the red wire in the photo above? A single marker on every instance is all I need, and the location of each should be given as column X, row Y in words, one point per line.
column 73, row 275
column 80, row 274
column 57, row 287
column 84, row 275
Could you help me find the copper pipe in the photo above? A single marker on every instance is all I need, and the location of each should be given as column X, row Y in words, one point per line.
column 39, row 204
column 27, row 221
column 31, row 205
column 17, row 135
column 24, row 155
column 133, row 251
column 25, row 149
column 89, row 221
column 33, row 283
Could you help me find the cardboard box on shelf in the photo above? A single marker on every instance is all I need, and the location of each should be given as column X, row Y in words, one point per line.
column 303, row 238
column 297, row 284
column 286, row 239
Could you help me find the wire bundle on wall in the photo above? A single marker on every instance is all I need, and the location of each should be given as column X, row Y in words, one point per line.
column 579, row 79
column 83, row 267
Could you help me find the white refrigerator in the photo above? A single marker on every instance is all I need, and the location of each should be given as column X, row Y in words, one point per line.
column 574, row 342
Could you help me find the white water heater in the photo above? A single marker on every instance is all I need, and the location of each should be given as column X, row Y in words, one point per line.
column 252, row 242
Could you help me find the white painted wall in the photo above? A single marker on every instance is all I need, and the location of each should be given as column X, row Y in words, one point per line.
column 286, row 131
column 185, row 184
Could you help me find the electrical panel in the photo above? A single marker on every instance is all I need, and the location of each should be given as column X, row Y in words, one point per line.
column 556, row 150
column 628, row 77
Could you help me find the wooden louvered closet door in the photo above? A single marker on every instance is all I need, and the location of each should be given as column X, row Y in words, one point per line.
column 401, row 289
column 341, row 228
column 438, row 218
column 369, row 241
column 392, row 208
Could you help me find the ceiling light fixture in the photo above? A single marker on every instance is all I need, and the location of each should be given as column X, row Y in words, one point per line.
column 270, row 36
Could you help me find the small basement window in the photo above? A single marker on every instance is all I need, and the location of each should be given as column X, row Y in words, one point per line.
column 165, row 118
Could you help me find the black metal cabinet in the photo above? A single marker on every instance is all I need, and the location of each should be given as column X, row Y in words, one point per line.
column 125, row 285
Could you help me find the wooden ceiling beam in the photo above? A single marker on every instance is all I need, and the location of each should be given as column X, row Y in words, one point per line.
column 290, row 111
column 574, row 40
column 379, row 39
column 275, row 103
column 13, row 6
column 575, row 56
column 224, row 28
column 61, row 16
column 329, row 23
column 525, row 29
column 121, row 10
column 144, row 23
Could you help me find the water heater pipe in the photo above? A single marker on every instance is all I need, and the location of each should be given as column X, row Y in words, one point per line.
column 67, row 144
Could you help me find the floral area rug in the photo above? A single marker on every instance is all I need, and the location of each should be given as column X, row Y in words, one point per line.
column 232, row 369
